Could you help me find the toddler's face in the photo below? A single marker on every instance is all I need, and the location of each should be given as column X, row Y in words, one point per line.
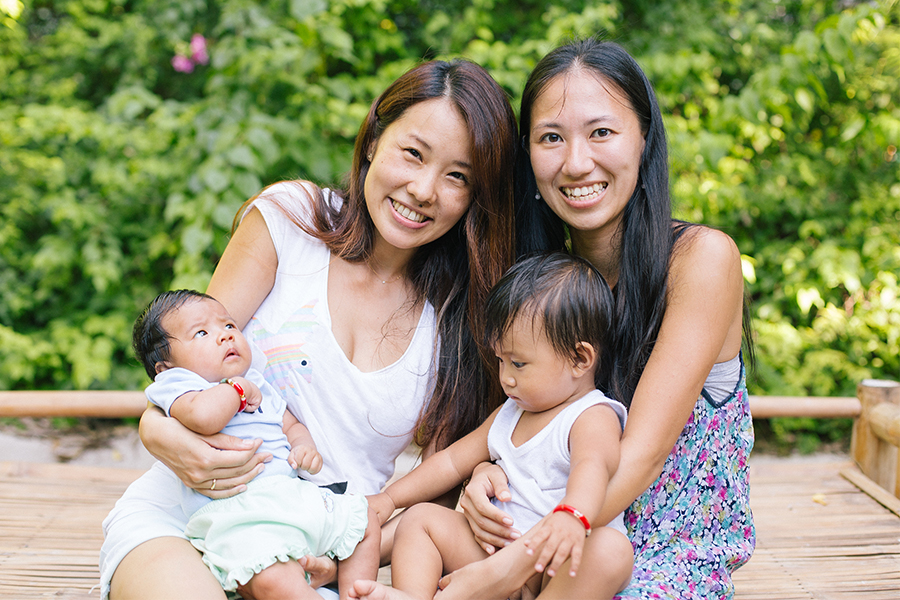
column 532, row 372
column 204, row 339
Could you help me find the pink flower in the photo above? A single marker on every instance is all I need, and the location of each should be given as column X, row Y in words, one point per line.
column 182, row 64
column 198, row 49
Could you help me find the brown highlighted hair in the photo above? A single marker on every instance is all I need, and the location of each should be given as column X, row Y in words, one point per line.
column 456, row 272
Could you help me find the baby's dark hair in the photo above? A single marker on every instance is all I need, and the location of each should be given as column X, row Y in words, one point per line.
column 149, row 340
column 563, row 294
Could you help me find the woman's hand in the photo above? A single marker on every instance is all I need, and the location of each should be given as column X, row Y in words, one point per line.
column 491, row 526
column 217, row 466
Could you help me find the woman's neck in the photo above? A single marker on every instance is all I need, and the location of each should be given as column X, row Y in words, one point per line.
column 387, row 263
column 603, row 252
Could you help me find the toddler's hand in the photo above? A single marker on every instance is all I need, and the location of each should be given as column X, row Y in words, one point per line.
column 382, row 505
column 558, row 536
column 305, row 458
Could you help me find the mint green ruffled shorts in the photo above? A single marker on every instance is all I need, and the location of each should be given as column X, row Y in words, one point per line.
column 278, row 518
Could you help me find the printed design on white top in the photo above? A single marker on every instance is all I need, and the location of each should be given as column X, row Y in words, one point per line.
column 285, row 358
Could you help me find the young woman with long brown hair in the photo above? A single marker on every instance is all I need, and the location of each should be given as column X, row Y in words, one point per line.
column 364, row 308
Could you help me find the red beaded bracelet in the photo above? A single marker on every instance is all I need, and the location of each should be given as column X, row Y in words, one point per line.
column 239, row 390
column 577, row 514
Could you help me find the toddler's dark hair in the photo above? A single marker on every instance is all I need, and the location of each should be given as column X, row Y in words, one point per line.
column 563, row 294
column 149, row 340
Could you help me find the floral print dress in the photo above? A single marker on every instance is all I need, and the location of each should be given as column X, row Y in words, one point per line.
column 693, row 527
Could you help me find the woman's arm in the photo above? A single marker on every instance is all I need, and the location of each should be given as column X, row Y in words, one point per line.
column 200, row 459
column 246, row 273
column 702, row 326
column 242, row 280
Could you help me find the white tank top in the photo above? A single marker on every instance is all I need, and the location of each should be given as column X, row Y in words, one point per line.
column 360, row 421
column 538, row 469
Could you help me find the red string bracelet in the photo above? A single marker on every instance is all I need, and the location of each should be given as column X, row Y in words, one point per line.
column 239, row 390
column 577, row 514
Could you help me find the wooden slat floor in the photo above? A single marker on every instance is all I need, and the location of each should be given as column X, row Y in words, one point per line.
column 819, row 537
column 50, row 534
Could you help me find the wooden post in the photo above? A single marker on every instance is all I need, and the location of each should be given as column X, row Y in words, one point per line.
column 876, row 433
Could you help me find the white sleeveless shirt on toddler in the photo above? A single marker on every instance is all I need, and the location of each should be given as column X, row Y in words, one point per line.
column 538, row 470
column 360, row 421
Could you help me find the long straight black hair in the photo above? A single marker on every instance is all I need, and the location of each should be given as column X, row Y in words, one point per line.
column 647, row 232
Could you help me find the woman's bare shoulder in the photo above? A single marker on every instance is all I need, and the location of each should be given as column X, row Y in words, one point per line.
column 705, row 249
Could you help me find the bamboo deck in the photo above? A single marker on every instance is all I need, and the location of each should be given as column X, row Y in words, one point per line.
column 819, row 536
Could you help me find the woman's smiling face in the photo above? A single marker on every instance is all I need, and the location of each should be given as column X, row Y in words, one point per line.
column 585, row 144
column 419, row 183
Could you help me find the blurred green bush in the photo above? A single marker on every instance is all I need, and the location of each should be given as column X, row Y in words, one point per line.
column 120, row 175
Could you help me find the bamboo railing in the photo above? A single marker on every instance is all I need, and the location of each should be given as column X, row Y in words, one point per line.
column 85, row 403
column 119, row 404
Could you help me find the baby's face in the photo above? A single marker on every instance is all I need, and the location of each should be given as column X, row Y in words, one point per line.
column 204, row 339
column 532, row 372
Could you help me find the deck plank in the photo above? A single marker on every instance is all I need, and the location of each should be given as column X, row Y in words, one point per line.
column 818, row 536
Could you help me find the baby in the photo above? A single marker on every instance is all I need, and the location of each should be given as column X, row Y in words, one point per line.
column 200, row 363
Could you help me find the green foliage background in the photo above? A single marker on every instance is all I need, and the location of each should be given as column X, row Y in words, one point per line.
column 119, row 176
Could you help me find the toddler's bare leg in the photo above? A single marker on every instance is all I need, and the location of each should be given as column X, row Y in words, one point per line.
column 497, row 577
column 431, row 540
column 372, row 590
column 605, row 569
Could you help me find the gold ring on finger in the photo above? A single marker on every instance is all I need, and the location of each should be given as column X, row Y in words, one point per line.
column 213, row 486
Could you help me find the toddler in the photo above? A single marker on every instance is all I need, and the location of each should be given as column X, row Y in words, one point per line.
column 557, row 438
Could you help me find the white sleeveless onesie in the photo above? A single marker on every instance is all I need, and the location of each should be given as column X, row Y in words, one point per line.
column 538, row 470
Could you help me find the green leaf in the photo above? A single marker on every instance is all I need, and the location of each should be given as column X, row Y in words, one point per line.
column 852, row 129
column 301, row 9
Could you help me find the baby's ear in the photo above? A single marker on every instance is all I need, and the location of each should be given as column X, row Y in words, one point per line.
column 162, row 366
column 585, row 358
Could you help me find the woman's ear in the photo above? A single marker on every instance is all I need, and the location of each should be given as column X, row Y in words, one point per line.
column 370, row 151
column 585, row 359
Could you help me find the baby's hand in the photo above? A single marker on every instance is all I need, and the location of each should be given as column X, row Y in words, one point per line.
column 561, row 536
column 305, row 458
column 251, row 393
column 382, row 505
